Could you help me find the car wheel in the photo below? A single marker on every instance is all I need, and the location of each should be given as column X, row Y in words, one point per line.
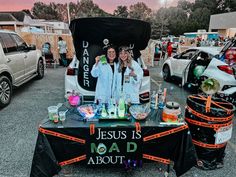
column 166, row 73
column 40, row 69
column 5, row 91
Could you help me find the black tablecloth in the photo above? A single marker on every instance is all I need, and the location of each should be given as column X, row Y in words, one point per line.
column 171, row 142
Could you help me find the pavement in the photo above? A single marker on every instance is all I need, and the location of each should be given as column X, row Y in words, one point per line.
column 20, row 120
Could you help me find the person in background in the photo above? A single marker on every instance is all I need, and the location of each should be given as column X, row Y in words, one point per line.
column 169, row 49
column 157, row 52
column 62, row 47
column 104, row 71
column 129, row 77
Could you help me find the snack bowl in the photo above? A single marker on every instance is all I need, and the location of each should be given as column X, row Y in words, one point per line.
column 140, row 112
column 87, row 110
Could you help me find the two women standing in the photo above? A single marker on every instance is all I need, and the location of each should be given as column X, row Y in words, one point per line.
column 119, row 78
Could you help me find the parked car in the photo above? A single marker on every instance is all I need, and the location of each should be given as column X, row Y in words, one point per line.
column 89, row 37
column 228, row 54
column 19, row 63
column 184, row 66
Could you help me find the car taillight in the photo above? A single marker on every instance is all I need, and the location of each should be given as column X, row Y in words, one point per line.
column 226, row 69
column 71, row 71
column 145, row 72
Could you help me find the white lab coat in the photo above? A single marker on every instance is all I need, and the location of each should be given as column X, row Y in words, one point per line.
column 105, row 82
column 131, row 86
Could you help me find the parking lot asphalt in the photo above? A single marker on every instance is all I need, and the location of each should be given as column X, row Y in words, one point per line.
column 20, row 120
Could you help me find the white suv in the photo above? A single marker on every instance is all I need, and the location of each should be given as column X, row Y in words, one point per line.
column 18, row 64
column 89, row 37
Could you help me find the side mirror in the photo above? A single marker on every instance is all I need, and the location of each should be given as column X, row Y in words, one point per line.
column 32, row 47
column 176, row 56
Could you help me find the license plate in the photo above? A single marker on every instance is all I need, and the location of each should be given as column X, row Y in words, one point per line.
column 223, row 134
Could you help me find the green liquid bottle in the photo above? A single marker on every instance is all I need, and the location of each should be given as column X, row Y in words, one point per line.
column 121, row 107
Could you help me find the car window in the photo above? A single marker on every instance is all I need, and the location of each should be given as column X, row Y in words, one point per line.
column 187, row 54
column 3, row 45
column 21, row 45
column 9, row 43
column 204, row 55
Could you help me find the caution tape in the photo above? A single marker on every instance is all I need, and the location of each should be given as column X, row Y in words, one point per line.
column 60, row 135
column 137, row 127
column 210, row 146
column 212, row 119
column 165, row 133
column 92, row 129
column 208, row 104
column 157, row 159
column 203, row 124
column 228, row 111
column 77, row 159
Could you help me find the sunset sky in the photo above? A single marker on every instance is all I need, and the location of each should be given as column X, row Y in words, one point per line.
column 107, row 5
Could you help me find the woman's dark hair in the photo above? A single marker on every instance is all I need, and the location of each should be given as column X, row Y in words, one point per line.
column 60, row 38
column 111, row 47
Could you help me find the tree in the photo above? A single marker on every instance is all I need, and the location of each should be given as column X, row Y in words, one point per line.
column 176, row 20
column 199, row 19
column 88, row 9
column 61, row 10
column 186, row 6
column 74, row 9
column 121, row 11
column 160, row 22
column 140, row 11
column 44, row 11
column 226, row 6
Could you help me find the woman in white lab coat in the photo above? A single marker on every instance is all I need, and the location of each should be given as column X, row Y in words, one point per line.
column 128, row 77
column 104, row 72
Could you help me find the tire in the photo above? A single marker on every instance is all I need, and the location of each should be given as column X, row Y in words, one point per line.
column 166, row 73
column 5, row 91
column 40, row 69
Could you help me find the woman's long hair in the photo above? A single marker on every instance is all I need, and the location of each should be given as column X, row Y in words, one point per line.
column 129, row 59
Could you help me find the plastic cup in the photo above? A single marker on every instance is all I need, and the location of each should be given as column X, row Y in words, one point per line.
column 62, row 116
column 52, row 112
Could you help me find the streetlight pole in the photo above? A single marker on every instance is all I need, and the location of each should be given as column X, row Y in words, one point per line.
column 162, row 23
column 68, row 12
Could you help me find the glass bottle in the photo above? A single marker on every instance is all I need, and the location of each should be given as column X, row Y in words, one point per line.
column 104, row 111
column 121, row 106
column 111, row 109
column 153, row 100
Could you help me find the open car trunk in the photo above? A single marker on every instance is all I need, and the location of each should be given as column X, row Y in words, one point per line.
column 88, row 38
column 195, row 69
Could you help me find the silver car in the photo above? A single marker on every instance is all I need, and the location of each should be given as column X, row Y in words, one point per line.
column 19, row 63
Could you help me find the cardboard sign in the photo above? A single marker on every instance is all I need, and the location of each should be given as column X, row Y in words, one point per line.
column 223, row 134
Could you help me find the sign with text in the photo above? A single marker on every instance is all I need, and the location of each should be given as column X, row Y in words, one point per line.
column 114, row 146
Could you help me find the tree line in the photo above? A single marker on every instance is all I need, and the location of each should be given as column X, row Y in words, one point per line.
column 186, row 17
